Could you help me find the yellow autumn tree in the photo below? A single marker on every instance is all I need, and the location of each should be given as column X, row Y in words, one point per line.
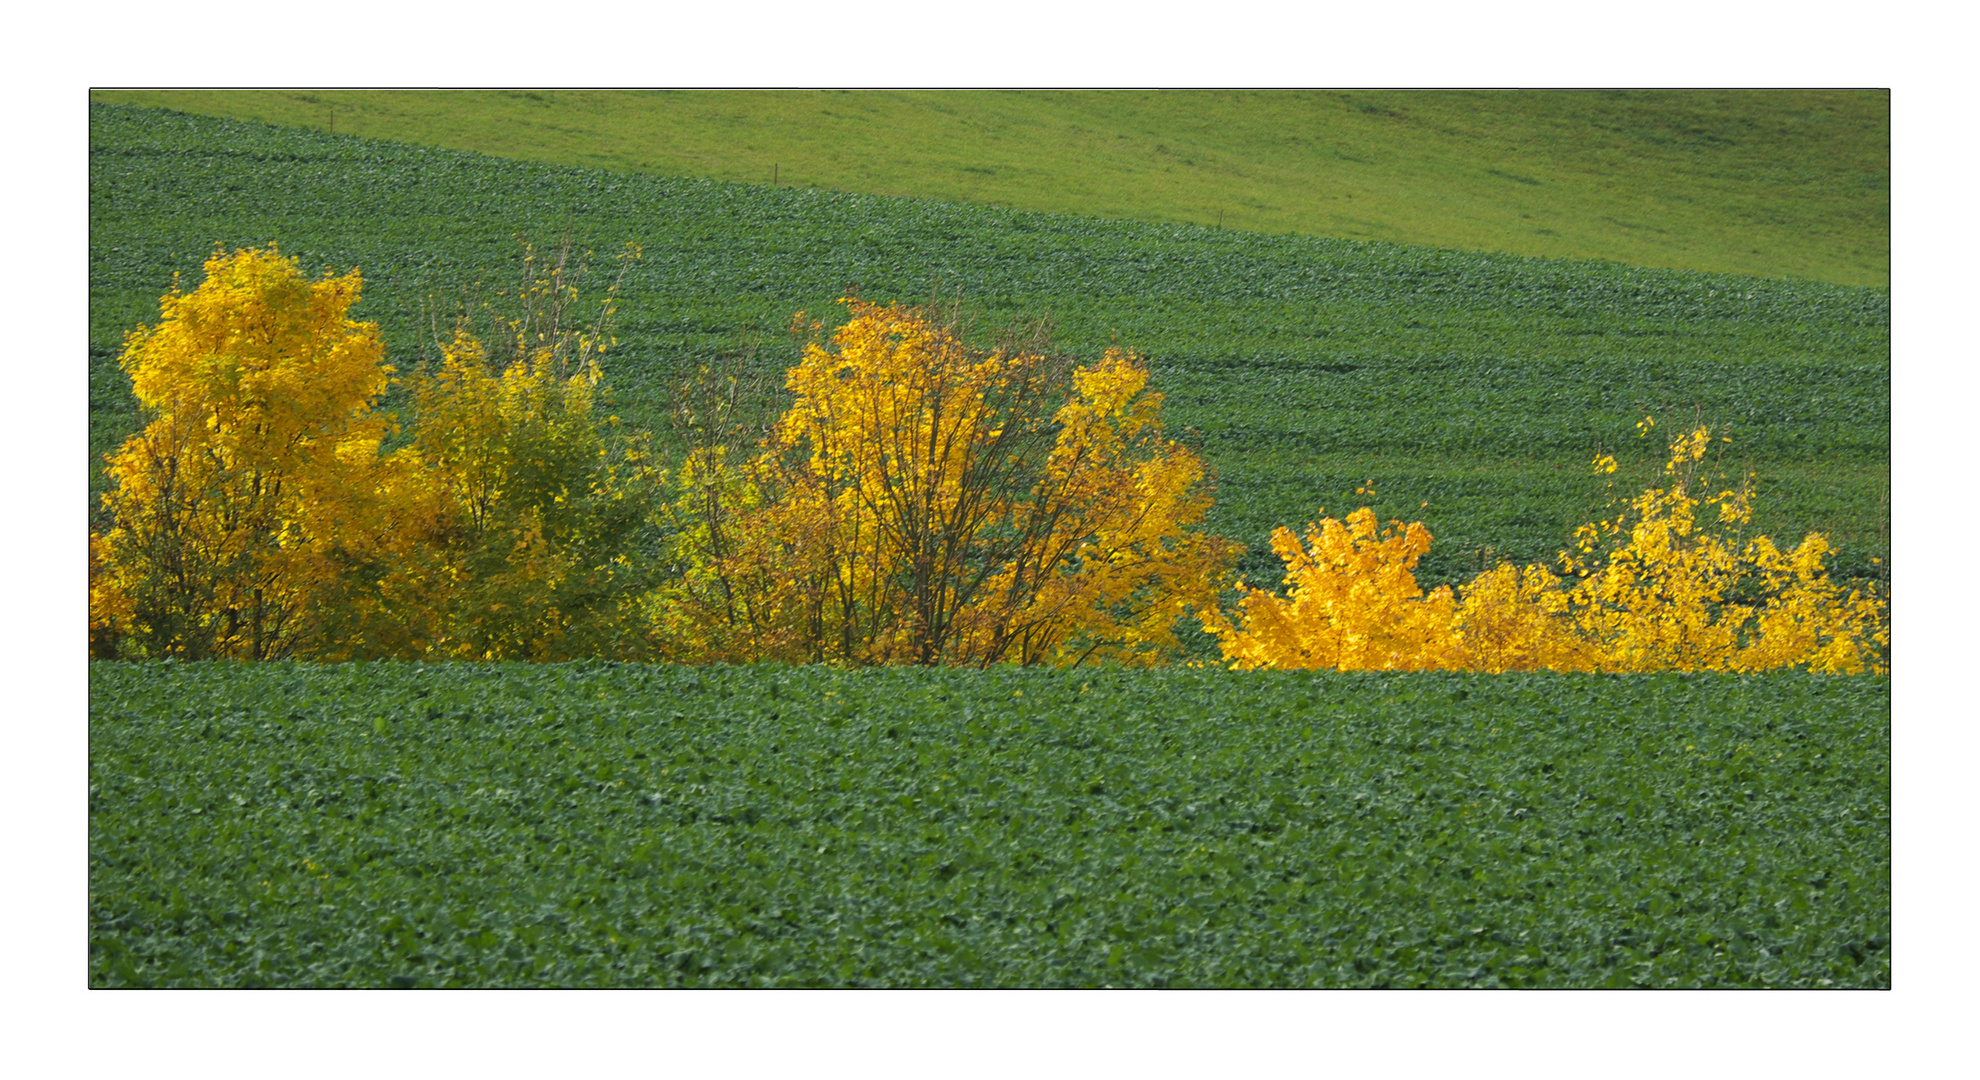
column 924, row 501
column 258, row 479
column 256, row 517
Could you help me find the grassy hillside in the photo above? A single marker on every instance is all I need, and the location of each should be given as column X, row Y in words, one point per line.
column 1765, row 183
column 1479, row 384
column 636, row 825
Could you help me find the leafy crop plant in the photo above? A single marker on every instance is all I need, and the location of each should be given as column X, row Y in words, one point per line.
column 595, row 824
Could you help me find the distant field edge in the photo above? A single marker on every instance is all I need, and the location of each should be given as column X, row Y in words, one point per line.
column 1764, row 183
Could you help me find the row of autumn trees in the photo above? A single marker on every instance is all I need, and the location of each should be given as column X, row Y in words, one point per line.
column 919, row 501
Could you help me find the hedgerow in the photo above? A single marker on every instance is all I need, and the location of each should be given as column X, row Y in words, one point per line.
column 919, row 502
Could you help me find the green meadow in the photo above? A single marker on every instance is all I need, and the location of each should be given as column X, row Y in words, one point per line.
column 1765, row 183
column 624, row 825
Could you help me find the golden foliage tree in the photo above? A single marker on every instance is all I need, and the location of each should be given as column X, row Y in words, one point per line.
column 924, row 501
column 259, row 475
column 256, row 517
column 535, row 504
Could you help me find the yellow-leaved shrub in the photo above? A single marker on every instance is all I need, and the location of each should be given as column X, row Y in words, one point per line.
column 1659, row 589
column 1352, row 603
column 538, row 507
column 542, row 549
column 1654, row 589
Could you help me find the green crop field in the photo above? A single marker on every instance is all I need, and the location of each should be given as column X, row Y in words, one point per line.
column 1765, row 183
column 593, row 824
column 1480, row 384
column 602, row 825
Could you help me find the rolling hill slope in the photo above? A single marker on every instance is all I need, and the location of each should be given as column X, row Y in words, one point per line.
column 1765, row 183
column 1478, row 384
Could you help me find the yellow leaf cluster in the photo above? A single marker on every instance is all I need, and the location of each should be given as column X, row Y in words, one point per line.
column 1352, row 603
column 923, row 501
column 1651, row 590
column 260, row 475
column 257, row 515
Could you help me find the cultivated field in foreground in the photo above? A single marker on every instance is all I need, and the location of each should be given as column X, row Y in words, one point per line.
column 1761, row 182
column 1479, row 384
column 598, row 825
